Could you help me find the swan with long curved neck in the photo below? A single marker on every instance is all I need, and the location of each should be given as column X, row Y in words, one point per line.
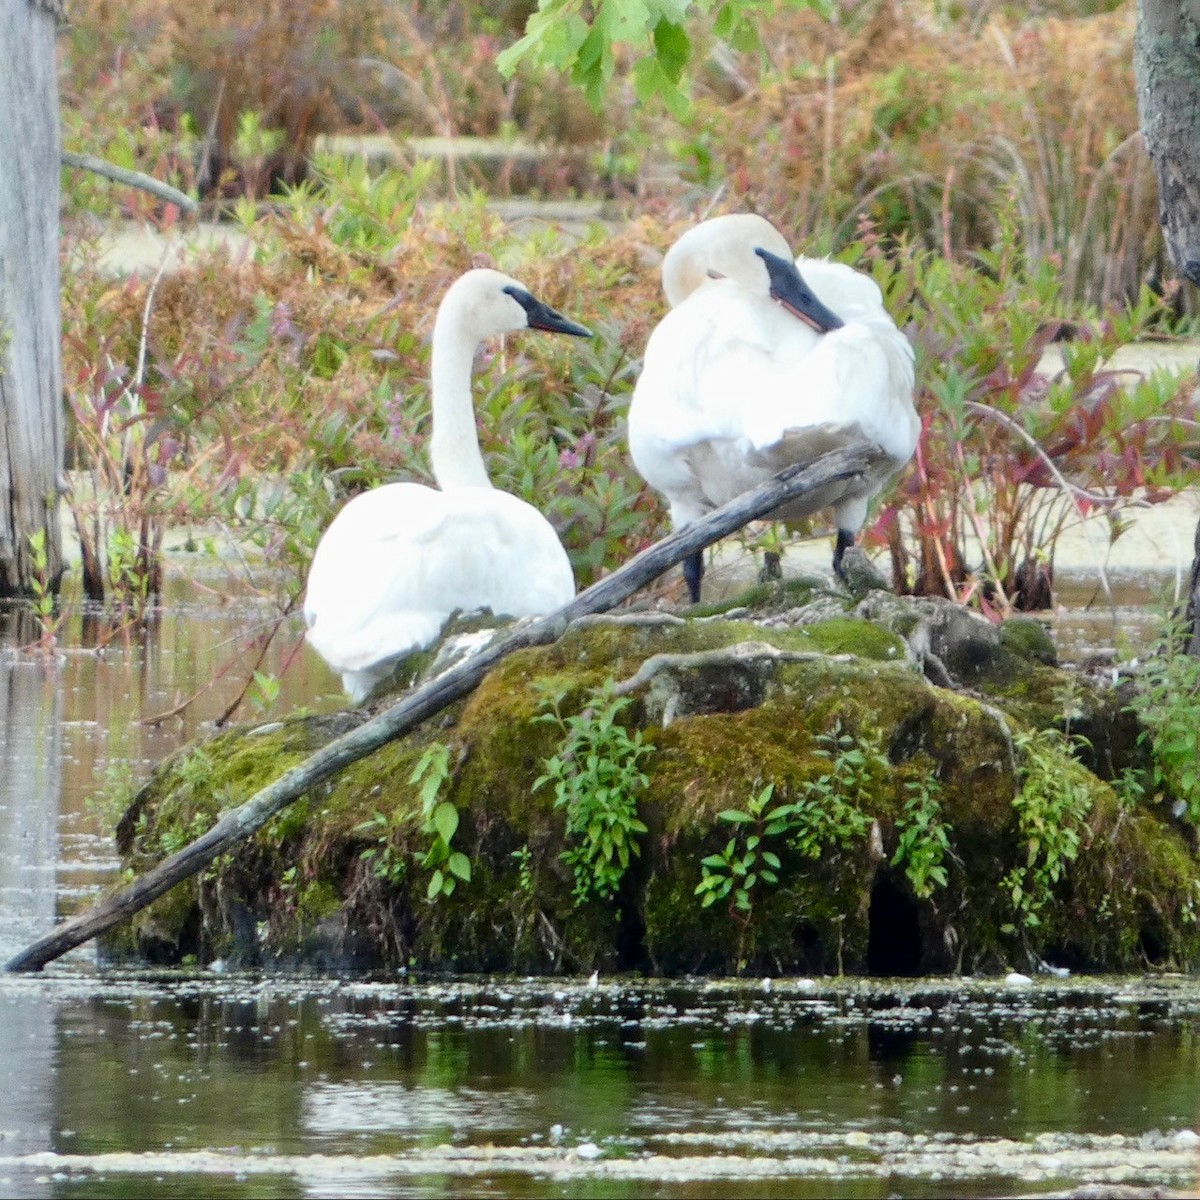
column 398, row 560
column 750, row 372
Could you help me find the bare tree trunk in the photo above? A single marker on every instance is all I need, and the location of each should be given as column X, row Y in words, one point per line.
column 31, row 416
column 1166, row 60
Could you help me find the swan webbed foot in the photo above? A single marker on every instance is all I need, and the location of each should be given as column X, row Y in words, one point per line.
column 693, row 572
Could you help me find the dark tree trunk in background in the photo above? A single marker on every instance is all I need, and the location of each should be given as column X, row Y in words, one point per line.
column 1166, row 61
column 1167, row 66
column 31, row 416
column 1192, row 609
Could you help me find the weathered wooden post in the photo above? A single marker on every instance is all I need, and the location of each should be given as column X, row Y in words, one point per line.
column 31, row 416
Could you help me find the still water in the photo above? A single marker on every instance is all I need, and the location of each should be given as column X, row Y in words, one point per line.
column 179, row 1084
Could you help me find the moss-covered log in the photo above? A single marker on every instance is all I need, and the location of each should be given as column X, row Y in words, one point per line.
column 733, row 709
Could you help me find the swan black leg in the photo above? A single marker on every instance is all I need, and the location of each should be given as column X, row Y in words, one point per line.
column 693, row 572
column 844, row 542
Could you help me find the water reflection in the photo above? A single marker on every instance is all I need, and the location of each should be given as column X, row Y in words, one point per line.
column 70, row 737
column 78, row 728
column 486, row 1089
column 31, row 734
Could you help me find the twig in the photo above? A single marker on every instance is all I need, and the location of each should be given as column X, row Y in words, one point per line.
column 741, row 652
column 629, row 618
column 1075, row 490
column 99, row 166
column 973, row 518
column 237, row 824
column 181, row 706
column 140, row 373
column 1063, row 482
column 264, row 646
column 713, row 201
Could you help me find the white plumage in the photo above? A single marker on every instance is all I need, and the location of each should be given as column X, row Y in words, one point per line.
column 750, row 372
column 399, row 560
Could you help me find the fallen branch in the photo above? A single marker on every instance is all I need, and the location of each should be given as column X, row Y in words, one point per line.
column 137, row 179
column 237, row 824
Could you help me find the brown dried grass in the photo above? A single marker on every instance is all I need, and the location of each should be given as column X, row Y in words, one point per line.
column 936, row 133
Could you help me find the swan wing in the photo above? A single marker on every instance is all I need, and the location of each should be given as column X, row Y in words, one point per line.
column 399, row 560
column 857, row 381
column 704, row 363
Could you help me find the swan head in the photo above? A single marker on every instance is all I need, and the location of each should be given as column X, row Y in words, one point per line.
column 484, row 303
column 749, row 250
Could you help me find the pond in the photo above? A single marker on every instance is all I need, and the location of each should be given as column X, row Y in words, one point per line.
column 184, row 1083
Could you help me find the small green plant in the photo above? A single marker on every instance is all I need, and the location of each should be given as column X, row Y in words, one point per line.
column 1052, row 806
column 128, row 575
column 524, row 859
column 826, row 812
column 195, row 770
column 289, row 882
column 1130, row 787
column 173, row 838
column 923, row 837
column 386, row 862
column 44, row 604
column 597, row 778
column 264, row 691
column 439, row 822
column 744, row 860
column 1167, row 702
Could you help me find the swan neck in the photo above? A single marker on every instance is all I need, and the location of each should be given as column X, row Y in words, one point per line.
column 454, row 445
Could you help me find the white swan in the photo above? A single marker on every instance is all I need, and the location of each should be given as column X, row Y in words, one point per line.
column 398, row 560
column 750, row 372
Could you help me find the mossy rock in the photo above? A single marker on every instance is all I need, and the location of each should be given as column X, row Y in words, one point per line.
column 733, row 709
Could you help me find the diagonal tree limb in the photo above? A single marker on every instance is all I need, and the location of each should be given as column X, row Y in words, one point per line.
column 136, row 179
column 237, row 824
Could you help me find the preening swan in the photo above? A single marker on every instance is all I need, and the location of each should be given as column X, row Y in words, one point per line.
column 750, row 372
column 397, row 561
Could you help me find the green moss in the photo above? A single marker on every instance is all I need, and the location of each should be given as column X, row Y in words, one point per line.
column 765, row 599
column 721, row 727
column 1030, row 639
column 848, row 635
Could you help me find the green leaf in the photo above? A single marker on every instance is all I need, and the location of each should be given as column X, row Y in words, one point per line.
column 551, row 39
column 459, row 864
column 735, row 816
column 445, row 821
column 673, row 47
column 650, row 82
column 435, row 885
